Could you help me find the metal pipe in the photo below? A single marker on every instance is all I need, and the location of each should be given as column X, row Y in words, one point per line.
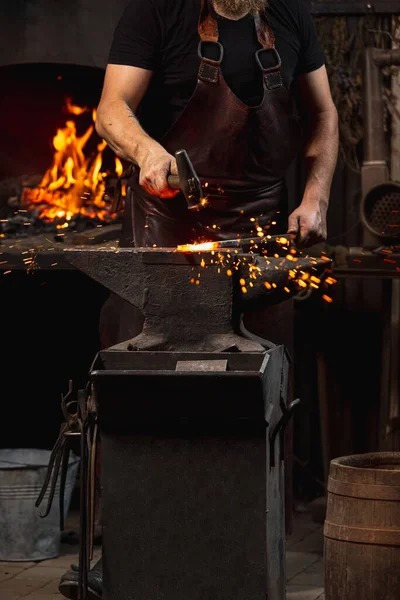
column 375, row 145
column 387, row 58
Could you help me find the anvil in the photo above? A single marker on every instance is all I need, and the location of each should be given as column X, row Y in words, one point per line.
column 193, row 301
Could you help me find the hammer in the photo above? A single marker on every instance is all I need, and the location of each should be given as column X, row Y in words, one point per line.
column 187, row 181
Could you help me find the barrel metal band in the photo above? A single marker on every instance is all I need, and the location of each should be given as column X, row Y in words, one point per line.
column 365, row 491
column 379, row 537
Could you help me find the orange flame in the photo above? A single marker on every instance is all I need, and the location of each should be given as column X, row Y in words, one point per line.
column 119, row 169
column 72, row 109
column 74, row 178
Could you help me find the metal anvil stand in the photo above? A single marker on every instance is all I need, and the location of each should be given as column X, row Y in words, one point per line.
column 191, row 417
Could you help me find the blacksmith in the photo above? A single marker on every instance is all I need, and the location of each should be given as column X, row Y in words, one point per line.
column 241, row 85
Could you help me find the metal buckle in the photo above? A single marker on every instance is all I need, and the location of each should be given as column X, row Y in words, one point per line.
column 275, row 67
column 200, row 53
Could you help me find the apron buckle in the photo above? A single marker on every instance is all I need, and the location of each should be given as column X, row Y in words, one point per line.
column 269, row 61
column 200, row 51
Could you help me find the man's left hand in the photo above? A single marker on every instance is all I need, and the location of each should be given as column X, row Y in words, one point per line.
column 308, row 222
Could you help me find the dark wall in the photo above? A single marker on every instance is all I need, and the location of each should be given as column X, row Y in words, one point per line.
column 34, row 103
column 57, row 31
column 49, row 335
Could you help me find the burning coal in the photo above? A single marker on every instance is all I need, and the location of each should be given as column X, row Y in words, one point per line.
column 74, row 188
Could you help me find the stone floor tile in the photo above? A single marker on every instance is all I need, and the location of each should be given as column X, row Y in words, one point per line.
column 41, row 573
column 317, row 567
column 34, row 596
column 307, row 578
column 314, row 542
column 16, row 563
column 303, row 526
column 64, row 561
column 302, row 530
column 69, row 555
column 8, row 572
column 40, row 596
column 303, row 592
column 20, row 587
column 47, row 592
column 303, row 521
column 39, row 581
column 297, row 562
column 50, row 588
column 96, row 554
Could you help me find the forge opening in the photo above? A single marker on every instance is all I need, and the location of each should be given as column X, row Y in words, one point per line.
column 56, row 174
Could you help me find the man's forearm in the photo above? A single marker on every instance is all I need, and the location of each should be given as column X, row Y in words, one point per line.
column 320, row 155
column 118, row 126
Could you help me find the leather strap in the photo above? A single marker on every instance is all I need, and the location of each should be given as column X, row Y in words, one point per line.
column 208, row 26
column 265, row 34
column 272, row 76
column 208, row 31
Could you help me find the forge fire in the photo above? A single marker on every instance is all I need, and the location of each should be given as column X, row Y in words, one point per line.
column 76, row 191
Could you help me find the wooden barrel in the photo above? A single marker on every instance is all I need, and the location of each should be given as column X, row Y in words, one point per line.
column 362, row 528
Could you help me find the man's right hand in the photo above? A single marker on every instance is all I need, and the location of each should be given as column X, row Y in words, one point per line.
column 123, row 90
column 155, row 165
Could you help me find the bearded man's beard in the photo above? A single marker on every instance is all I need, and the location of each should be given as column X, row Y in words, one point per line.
column 237, row 8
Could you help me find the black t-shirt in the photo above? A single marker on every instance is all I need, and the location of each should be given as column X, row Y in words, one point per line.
column 162, row 36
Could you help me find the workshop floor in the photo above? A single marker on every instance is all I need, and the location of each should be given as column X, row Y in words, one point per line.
column 39, row 581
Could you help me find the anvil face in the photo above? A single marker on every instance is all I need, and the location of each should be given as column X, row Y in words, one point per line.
column 189, row 299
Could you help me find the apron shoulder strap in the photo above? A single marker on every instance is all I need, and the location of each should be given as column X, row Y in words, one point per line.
column 265, row 34
column 270, row 64
column 208, row 26
column 209, row 70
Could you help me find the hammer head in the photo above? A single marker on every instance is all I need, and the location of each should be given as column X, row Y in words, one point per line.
column 189, row 183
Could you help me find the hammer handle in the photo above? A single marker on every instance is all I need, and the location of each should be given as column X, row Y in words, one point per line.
column 173, row 182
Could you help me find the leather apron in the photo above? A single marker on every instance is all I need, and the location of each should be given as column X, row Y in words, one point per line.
column 240, row 154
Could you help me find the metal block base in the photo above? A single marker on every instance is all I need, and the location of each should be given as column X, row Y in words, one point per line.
column 193, row 505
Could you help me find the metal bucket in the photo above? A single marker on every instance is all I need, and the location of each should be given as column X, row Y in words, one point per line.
column 24, row 535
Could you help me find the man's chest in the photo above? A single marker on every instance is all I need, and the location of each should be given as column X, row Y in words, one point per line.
column 179, row 59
